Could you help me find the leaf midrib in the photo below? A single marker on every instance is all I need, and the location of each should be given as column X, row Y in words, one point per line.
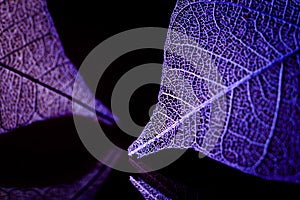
column 229, row 88
column 59, row 92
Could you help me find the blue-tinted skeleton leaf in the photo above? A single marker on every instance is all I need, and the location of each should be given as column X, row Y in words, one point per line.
column 230, row 86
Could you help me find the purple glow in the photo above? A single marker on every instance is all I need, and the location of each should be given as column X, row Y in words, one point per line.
column 148, row 192
column 36, row 77
column 230, row 87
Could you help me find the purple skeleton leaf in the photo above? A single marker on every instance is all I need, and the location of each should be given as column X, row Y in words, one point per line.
column 36, row 76
column 148, row 192
column 85, row 188
column 163, row 184
column 230, row 86
column 167, row 186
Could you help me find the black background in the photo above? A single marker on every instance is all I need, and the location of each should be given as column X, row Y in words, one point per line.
column 50, row 152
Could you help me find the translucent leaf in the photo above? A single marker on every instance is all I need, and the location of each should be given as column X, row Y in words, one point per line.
column 230, row 86
column 36, row 77
column 148, row 192
column 167, row 186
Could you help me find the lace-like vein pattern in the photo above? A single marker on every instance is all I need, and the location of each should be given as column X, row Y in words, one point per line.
column 36, row 77
column 148, row 192
column 249, row 117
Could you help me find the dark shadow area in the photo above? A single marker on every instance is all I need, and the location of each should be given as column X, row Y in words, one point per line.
column 43, row 154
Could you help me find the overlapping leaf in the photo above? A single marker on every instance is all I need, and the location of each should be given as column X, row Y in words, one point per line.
column 36, row 77
column 83, row 189
column 230, row 86
column 165, row 185
column 148, row 192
